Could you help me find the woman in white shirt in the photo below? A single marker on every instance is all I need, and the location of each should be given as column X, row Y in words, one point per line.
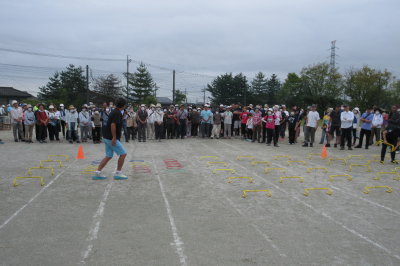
column 376, row 124
column 84, row 119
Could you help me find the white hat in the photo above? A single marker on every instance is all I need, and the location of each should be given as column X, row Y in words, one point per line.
column 158, row 104
column 221, row 105
column 51, row 107
column 14, row 101
column 143, row 105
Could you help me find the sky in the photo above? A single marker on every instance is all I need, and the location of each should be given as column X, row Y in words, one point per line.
column 205, row 37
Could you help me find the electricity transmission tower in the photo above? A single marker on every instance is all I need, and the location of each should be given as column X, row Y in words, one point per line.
column 333, row 55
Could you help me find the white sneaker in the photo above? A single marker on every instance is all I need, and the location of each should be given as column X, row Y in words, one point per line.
column 120, row 176
column 98, row 176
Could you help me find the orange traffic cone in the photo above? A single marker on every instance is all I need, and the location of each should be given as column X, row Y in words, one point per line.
column 80, row 153
column 324, row 154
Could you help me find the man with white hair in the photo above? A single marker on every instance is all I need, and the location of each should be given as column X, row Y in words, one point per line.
column 16, row 121
column 206, row 116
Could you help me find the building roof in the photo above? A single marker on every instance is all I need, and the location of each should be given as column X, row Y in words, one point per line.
column 11, row 92
column 164, row 100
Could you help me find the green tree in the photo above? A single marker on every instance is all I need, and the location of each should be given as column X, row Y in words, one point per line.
column 322, row 85
column 109, row 86
column 140, row 83
column 259, row 89
column 180, row 97
column 362, row 86
column 50, row 90
column 273, row 88
column 227, row 89
column 150, row 99
column 291, row 93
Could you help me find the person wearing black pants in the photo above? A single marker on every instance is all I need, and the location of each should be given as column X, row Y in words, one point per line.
column 346, row 118
column 366, row 118
column 277, row 130
column 271, row 134
column 170, row 122
column 390, row 136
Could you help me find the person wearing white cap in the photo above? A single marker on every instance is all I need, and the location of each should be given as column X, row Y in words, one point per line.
column 28, row 123
column 150, row 122
column 158, row 119
column 142, row 117
column 16, row 120
column 52, row 126
column 84, row 119
column 206, row 117
column 63, row 114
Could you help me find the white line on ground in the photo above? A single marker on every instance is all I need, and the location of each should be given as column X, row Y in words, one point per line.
column 97, row 217
column 177, row 239
column 306, row 204
column 34, row 197
column 245, row 216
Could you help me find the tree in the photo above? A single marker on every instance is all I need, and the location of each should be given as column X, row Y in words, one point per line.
column 72, row 81
column 109, row 86
column 141, row 83
column 291, row 91
column 227, row 89
column 322, row 85
column 180, row 97
column 259, row 89
column 362, row 86
column 150, row 99
column 273, row 88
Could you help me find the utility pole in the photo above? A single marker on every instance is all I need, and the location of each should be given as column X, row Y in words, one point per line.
column 185, row 96
column 204, row 98
column 173, row 88
column 245, row 90
column 333, row 54
column 127, row 76
column 379, row 92
column 87, row 84
column 155, row 90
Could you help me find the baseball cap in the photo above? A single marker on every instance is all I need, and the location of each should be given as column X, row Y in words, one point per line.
column 314, row 105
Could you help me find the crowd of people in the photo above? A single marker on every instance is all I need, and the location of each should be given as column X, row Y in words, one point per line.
column 253, row 123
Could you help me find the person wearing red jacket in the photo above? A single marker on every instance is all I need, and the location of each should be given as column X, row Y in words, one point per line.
column 42, row 121
column 270, row 119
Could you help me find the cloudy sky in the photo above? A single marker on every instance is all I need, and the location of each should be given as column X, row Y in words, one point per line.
column 204, row 37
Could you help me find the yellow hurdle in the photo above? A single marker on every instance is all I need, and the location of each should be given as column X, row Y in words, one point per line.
column 386, row 156
column 369, row 168
column 296, row 162
column 395, row 169
column 252, row 157
column 381, row 141
column 66, row 157
column 367, row 188
column 356, row 156
column 307, row 189
column 252, row 164
column 52, row 171
column 41, row 179
column 233, row 171
column 276, row 157
column 266, row 169
column 40, row 165
column 394, row 173
column 251, row 180
column 350, row 178
column 208, row 164
column 329, row 161
column 244, row 192
column 308, row 169
column 369, row 161
column 315, row 154
column 280, row 179
column 201, row 158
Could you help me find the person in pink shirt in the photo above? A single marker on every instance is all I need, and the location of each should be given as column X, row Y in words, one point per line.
column 257, row 116
column 270, row 120
column 243, row 117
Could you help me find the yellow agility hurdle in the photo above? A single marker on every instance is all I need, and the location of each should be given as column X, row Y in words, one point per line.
column 66, row 157
column 381, row 141
column 367, row 188
column 251, row 180
column 52, row 171
column 276, row 157
column 41, row 179
column 356, row 156
column 308, row 169
column 315, row 154
column 252, row 164
column 395, row 169
column 40, row 165
column 201, row 158
column 393, row 173
column 350, row 178
column 208, row 164
column 296, row 162
column 280, row 179
column 245, row 157
column 307, row 189
column 266, row 169
column 386, row 156
column 233, row 171
column 244, row 192
column 329, row 161
column 369, row 168
column 369, row 162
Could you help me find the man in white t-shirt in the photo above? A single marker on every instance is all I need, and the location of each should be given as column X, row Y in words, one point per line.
column 312, row 125
column 346, row 118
